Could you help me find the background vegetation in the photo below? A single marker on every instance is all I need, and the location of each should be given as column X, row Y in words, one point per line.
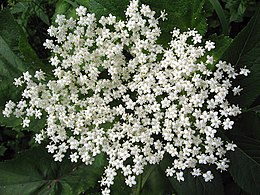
column 26, row 168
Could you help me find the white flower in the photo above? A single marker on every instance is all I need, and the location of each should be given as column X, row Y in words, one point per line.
column 26, row 122
column 208, row 176
column 227, row 124
column 18, row 81
column 231, row 146
column 81, row 10
column 130, row 181
column 39, row 75
column 244, row 71
column 237, row 90
column 196, row 172
column 209, row 45
column 179, row 176
column 74, row 157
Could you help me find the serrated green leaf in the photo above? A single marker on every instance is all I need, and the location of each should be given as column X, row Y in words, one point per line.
column 35, row 172
column 244, row 51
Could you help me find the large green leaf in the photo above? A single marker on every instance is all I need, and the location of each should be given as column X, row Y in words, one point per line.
column 244, row 167
column 195, row 185
column 245, row 51
column 35, row 172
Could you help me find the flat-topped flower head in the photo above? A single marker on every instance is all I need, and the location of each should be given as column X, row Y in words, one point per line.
column 115, row 90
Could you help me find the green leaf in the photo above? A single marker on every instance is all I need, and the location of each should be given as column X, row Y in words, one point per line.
column 245, row 170
column 244, row 51
column 195, row 185
column 10, row 63
column 35, row 172
column 245, row 161
column 61, row 7
column 237, row 8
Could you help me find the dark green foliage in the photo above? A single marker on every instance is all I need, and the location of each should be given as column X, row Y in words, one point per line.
column 35, row 172
column 237, row 9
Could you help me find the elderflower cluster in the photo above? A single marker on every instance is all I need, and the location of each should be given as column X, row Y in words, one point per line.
column 115, row 90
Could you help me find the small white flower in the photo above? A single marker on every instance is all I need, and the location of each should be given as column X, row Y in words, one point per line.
column 18, row 81
column 227, row 124
column 208, row 176
column 210, row 59
column 237, row 90
column 39, row 75
column 244, row 71
column 231, row 146
column 130, row 181
column 81, row 11
column 26, row 76
column 196, row 172
column 26, row 122
column 74, row 157
column 209, row 45
column 179, row 176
